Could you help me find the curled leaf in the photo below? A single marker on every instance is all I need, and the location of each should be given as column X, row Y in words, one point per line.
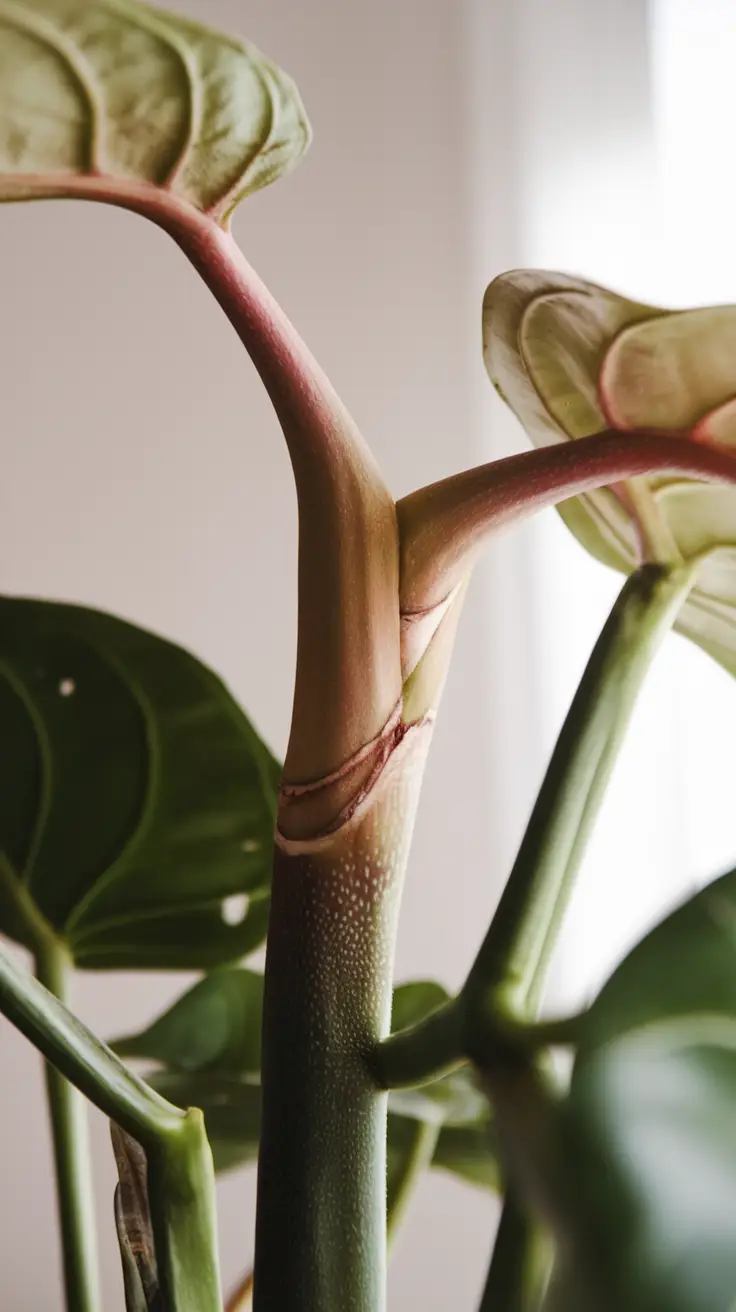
column 116, row 89
column 573, row 359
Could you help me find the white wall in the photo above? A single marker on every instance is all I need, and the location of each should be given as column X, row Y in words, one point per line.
column 143, row 472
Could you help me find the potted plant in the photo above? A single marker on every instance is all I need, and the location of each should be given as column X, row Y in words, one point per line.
column 144, row 823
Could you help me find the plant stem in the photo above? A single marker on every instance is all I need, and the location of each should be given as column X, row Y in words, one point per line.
column 511, row 965
column 321, row 1218
column 83, row 1058
column 180, row 1172
column 417, row 1159
column 181, row 1195
column 70, row 1132
column 514, row 1261
column 423, row 1052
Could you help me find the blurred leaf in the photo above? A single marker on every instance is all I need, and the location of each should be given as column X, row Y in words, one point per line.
column 133, row 1225
column 470, row 1152
column 216, row 1024
column 455, row 1099
column 572, row 359
column 120, row 93
column 685, row 966
column 414, row 1001
column 649, row 1124
column 137, row 802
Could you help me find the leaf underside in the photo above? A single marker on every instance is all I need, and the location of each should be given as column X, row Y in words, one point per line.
column 118, row 90
column 571, row 359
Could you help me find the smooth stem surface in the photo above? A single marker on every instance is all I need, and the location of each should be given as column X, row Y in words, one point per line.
column 424, row 1051
column 514, row 1261
column 517, row 948
column 83, row 1058
column 181, row 1195
column 70, row 1134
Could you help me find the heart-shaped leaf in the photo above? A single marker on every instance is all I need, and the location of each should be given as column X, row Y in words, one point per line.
column 119, row 94
column 137, row 803
column 649, row 1124
column 572, row 359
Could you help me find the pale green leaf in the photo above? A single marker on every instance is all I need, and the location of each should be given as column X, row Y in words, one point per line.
column 571, row 359
column 116, row 90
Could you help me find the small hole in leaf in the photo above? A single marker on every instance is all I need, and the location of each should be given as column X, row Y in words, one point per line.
column 67, row 687
column 234, row 909
column 250, row 845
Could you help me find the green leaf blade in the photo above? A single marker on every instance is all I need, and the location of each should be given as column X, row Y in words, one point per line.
column 648, row 1126
column 136, row 800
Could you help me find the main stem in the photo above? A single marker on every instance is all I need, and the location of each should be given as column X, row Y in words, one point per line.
column 321, row 1219
column 70, row 1134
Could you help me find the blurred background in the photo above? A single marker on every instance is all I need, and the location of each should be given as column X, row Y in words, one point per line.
column 145, row 474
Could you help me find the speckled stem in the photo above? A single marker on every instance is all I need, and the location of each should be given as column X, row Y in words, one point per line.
column 321, row 1222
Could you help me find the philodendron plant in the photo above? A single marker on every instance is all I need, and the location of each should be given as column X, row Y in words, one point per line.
column 143, row 822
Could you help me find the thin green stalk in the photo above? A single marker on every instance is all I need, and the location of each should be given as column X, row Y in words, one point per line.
column 416, row 1160
column 516, row 1269
column 516, row 952
column 70, row 1132
column 423, row 1052
column 180, row 1170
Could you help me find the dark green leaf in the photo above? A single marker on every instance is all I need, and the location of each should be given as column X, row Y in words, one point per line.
column 649, row 1124
column 217, row 1025
column 685, row 966
column 123, row 94
column 136, row 801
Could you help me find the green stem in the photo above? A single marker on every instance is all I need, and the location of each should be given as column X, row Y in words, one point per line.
column 70, row 1132
column 423, row 1052
column 321, row 1214
column 516, row 952
column 180, row 1170
column 417, row 1159
column 514, row 1274
column 181, row 1195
